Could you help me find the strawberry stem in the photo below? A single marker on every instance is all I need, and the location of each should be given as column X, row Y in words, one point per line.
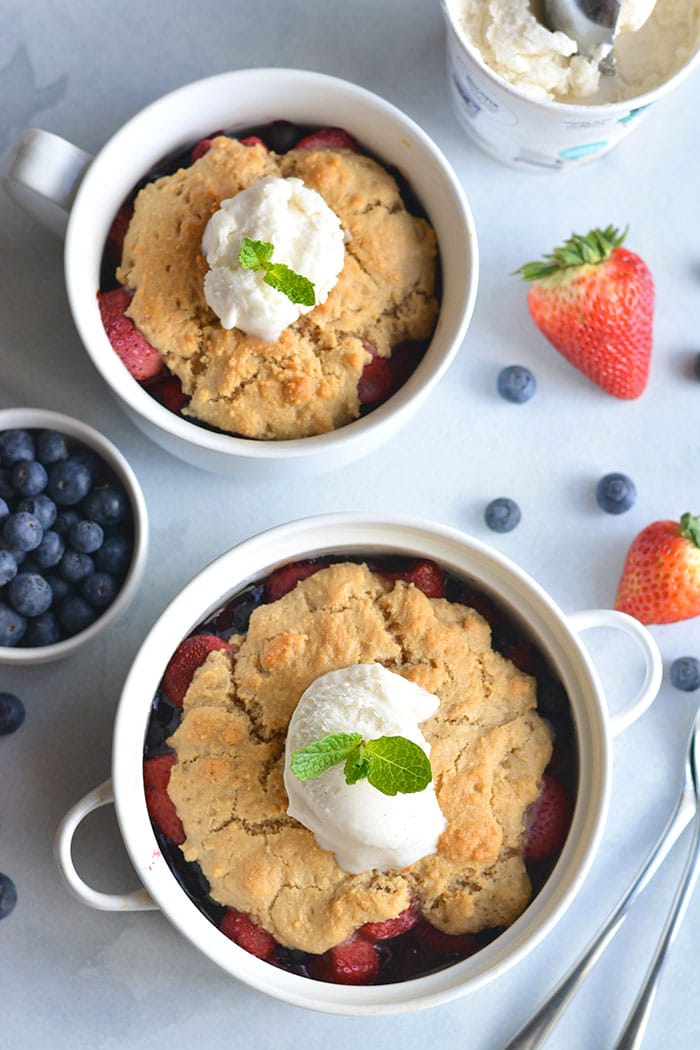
column 590, row 249
column 690, row 528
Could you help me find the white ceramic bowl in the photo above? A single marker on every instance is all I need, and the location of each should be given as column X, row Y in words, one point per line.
column 490, row 572
column 45, row 167
column 42, row 419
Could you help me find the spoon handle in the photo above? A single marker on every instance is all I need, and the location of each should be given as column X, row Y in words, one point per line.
column 540, row 1025
column 633, row 1032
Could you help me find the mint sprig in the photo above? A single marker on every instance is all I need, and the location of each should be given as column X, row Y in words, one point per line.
column 257, row 255
column 392, row 764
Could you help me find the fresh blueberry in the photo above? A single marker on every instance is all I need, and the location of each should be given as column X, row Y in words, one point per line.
column 15, row 445
column 75, row 614
column 12, row 626
column 29, row 594
column 51, row 446
column 29, row 477
column 88, row 459
column 50, row 550
column 4, row 508
column 99, row 589
column 8, row 567
column 6, row 488
column 86, row 536
column 516, row 384
column 69, row 482
column 8, row 895
column 502, row 514
column 685, row 673
column 114, row 555
column 11, row 713
column 65, row 521
column 59, row 587
column 41, row 506
column 615, row 493
column 107, row 505
column 75, row 566
column 43, row 630
column 22, row 531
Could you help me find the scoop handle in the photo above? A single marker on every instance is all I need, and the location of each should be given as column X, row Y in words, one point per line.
column 136, row 900
column 638, row 703
column 42, row 176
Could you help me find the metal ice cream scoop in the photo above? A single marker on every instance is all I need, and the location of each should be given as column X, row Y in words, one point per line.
column 591, row 23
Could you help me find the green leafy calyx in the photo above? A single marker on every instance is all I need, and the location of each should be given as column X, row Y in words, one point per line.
column 392, row 764
column 690, row 528
column 580, row 250
column 257, row 255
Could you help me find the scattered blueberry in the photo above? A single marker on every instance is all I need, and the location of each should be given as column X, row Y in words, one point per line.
column 69, row 482
column 86, row 536
column 23, row 531
column 516, row 384
column 11, row 713
column 29, row 594
column 502, row 514
column 12, row 626
column 615, row 493
column 15, row 445
column 51, row 446
column 8, row 567
column 99, row 589
column 685, row 673
column 42, row 507
column 8, row 895
column 29, row 477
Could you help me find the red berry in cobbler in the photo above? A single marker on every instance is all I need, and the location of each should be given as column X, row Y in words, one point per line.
column 548, row 821
column 425, row 575
column 188, row 656
column 117, row 232
column 240, row 928
column 376, row 381
column 328, row 138
column 382, row 931
column 283, row 580
column 355, row 962
column 161, row 809
column 436, row 942
column 140, row 358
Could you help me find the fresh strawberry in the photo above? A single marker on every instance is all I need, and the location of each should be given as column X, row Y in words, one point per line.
column 327, row 138
column 283, row 580
column 355, row 962
column 548, row 821
column 660, row 580
column 242, row 929
column 436, row 942
column 161, row 808
column 188, row 656
column 594, row 301
column 117, row 232
column 425, row 575
column 140, row 358
column 382, row 931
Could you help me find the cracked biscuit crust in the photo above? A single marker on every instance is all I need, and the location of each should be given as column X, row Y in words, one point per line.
column 306, row 382
column 489, row 749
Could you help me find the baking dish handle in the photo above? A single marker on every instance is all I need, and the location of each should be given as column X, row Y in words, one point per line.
column 43, row 174
column 136, row 900
column 653, row 666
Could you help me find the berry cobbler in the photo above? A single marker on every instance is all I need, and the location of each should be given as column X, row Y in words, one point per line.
column 500, row 742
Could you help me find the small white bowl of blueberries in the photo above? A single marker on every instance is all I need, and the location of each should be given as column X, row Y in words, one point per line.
column 73, row 535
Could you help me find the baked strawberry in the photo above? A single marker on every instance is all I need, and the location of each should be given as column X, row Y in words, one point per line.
column 246, row 932
column 188, row 656
column 283, row 580
column 328, row 138
column 168, row 390
column 436, row 942
column 141, row 359
column 660, row 580
column 425, row 575
column 199, row 149
column 355, row 962
column 253, row 140
column 594, row 301
column 376, row 382
column 161, row 808
column 548, row 821
column 382, row 931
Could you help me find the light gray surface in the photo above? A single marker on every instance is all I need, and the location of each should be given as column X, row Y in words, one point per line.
column 71, row 977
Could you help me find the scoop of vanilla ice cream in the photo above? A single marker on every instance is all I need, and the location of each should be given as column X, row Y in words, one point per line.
column 306, row 236
column 363, row 827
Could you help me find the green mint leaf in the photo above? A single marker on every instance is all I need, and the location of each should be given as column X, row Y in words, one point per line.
column 310, row 761
column 356, row 765
column 255, row 255
column 298, row 289
column 397, row 765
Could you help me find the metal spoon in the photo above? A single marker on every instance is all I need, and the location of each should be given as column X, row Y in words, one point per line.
column 591, row 23
column 539, row 1027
